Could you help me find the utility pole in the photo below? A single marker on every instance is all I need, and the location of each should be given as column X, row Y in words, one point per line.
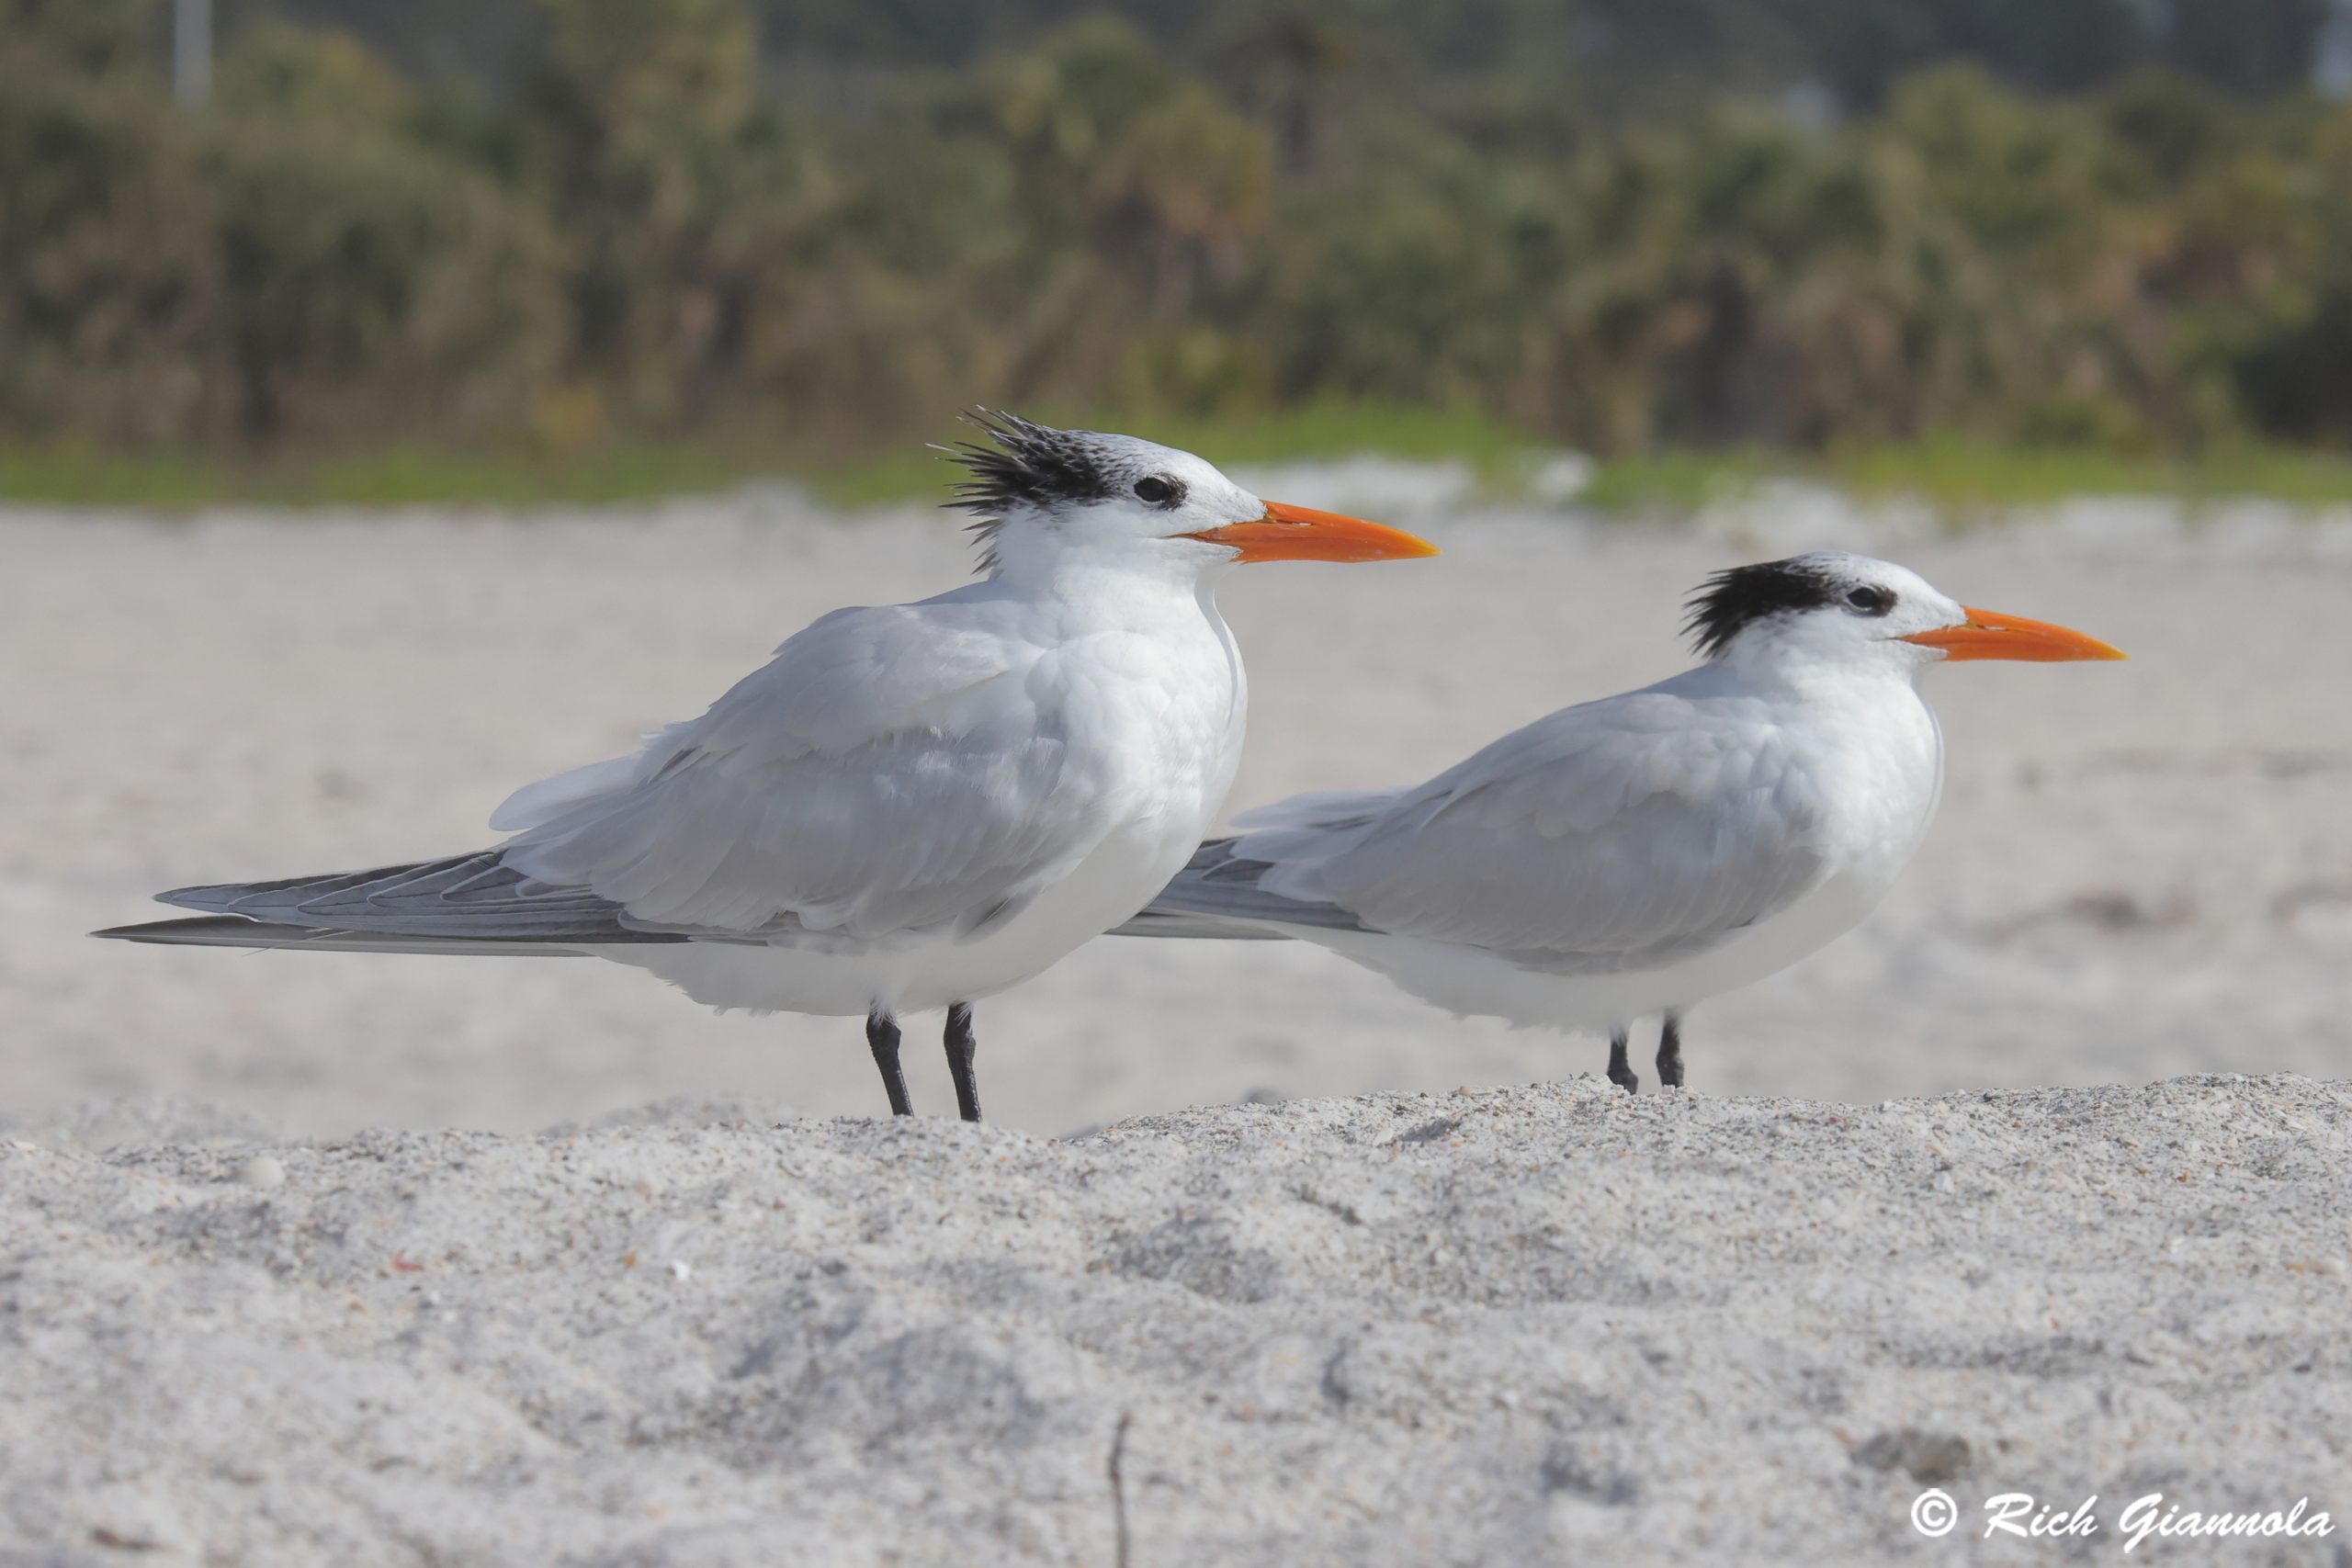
column 192, row 52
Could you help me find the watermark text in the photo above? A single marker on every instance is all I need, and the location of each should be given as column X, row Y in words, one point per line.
column 2152, row 1516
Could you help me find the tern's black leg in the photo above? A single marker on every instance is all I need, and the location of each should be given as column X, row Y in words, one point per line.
column 962, row 1043
column 1619, row 1073
column 882, row 1038
column 1670, row 1051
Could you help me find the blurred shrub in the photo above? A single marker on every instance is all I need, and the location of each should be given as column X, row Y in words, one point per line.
column 655, row 234
column 365, row 279
column 298, row 262
column 107, row 294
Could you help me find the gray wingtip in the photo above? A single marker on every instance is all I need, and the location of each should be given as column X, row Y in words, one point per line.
column 204, row 928
column 1186, row 925
column 236, row 930
column 213, row 898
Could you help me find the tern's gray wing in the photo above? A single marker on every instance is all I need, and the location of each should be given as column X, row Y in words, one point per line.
column 906, row 768
column 473, row 897
column 1619, row 834
column 893, row 771
column 1222, row 893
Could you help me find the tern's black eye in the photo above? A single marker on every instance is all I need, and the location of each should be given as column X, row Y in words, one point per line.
column 1160, row 491
column 1871, row 601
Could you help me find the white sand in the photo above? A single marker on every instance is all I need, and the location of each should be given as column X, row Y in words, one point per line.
column 1543, row 1325
column 2141, row 869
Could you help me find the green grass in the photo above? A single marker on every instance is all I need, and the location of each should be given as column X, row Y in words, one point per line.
column 897, row 472
column 1956, row 477
column 394, row 477
column 1681, row 481
column 1962, row 474
column 1959, row 476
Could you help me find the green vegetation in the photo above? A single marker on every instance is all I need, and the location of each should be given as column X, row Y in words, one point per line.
column 1954, row 478
column 657, row 249
column 1957, row 477
column 394, row 476
column 907, row 471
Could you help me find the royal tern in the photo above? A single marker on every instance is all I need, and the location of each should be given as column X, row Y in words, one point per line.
column 914, row 805
column 1637, row 854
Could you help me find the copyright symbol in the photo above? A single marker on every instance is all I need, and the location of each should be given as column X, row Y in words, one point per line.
column 1933, row 1512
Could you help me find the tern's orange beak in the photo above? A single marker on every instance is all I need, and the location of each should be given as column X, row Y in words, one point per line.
column 1301, row 533
column 1989, row 636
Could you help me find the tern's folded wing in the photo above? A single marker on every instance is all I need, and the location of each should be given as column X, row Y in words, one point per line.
column 1619, row 834
column 893, row 771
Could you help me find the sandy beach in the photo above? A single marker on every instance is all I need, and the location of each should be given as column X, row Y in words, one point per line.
column 2140, row 870
column 311, row 1258
column 1543, row 1325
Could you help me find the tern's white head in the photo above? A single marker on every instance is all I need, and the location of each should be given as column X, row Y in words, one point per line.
column 1046, row 496
column 1835, row 609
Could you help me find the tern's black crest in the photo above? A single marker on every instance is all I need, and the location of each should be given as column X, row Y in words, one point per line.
column 1025, row 462
column 1730, row 601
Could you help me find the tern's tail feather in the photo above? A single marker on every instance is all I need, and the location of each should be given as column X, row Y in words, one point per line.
column 465, row 904
column 235, row 930
column 1219, row 896
column 1157, row 921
